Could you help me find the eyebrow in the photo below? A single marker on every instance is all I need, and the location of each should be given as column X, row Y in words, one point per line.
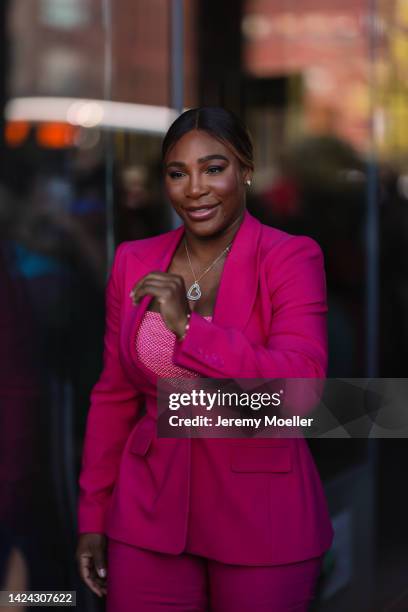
column 200, row 160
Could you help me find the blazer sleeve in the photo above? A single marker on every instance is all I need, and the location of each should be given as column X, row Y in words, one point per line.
column 114, row 406
column 296, row 343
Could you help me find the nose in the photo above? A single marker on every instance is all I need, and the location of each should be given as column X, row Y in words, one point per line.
column 196, row 186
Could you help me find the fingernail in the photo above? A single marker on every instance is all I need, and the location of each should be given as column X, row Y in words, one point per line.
column 102, row 572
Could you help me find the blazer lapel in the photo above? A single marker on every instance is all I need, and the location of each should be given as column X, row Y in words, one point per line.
column 239, row 281
column 157, row 259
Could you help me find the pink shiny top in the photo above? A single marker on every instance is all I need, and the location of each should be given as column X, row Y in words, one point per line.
column 155, row 346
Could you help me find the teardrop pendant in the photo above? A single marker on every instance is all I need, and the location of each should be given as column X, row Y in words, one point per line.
column 194, row 293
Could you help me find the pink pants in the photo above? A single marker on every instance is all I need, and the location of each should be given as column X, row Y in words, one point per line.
column 146, row 581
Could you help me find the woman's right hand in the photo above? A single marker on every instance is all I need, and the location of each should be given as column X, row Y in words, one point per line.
column 91, row 558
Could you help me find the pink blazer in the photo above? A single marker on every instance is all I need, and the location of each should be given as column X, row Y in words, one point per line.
column 267, row 505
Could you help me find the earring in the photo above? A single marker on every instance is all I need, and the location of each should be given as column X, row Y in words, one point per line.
column 248, row 182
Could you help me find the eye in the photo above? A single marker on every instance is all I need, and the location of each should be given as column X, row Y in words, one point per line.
column 175, row 174
column 214, row 169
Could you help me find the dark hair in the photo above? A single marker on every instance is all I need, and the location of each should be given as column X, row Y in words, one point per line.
column 218, row 122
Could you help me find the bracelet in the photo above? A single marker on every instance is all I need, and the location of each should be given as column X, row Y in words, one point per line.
column 186, row 327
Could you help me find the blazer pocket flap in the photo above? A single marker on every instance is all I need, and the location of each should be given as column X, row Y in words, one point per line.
column 261, row 459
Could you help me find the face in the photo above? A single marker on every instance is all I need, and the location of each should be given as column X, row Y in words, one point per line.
column 205, row 183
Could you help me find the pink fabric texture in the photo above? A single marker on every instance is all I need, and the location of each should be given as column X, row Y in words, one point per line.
column 147, row 581
column 155, row 347
column 269, row 321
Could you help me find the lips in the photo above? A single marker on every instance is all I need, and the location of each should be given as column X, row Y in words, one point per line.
column 201, row 213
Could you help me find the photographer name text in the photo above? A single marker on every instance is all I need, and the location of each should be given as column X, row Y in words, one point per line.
column 266, row 421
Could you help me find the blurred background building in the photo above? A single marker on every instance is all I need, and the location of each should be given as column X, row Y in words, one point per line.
column 87, row 90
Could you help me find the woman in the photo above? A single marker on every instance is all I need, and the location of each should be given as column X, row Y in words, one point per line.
column 194, row 524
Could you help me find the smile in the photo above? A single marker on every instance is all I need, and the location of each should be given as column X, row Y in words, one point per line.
column 203, row 213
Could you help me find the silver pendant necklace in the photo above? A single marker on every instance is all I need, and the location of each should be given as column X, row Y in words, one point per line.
column 194, row 292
